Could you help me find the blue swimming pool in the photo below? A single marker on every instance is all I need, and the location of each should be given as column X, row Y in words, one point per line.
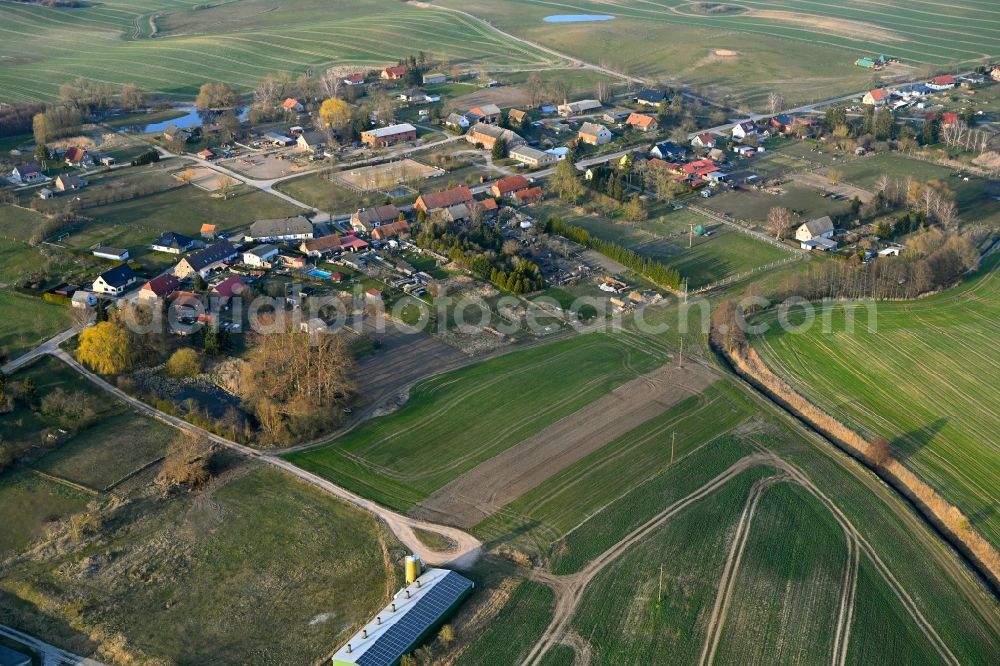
column 317, row 273
column 576, row 18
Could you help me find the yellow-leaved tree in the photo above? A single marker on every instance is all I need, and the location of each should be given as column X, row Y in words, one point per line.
column 105, row 348
column 335, row 114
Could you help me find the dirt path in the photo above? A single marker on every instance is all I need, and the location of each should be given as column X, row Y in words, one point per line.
column 727, row 583
column 569, row 588
column 493, row 484
column 463, row 555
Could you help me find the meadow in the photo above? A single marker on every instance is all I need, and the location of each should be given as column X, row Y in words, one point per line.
column 27, row 322
column 154, row 581
column 239, row 43
column 529, row 608
column 803, row 49
column 665, row 234
column 513, row 396
column 926, row 380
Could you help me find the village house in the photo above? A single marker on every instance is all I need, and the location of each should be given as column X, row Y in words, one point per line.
column 292, row 105
column 816, row 234
column 412, row 95
column 649, row 97
column 77, row 157
column 115, row 281
column 393, row 73
column 668, row 150
column 642, row 122
column 457, row 120
column 594, row 134
column 433, row 78
column 579, row 107
column 517, row 116
column 876, row 97
column 443, row 198
column 357, row 79
column 391, row 230
column 387, row 136
column 487, row 113
column 281, row 229
column 943, row 82
column 159, row 287
column 208, row 231
column 45, row 193
column 782, row 122
column 27, row 173
column 742, row 130
column 260, row 256
column 108, row 252
column 278, row 139
column 487, row 210
column 365, row 219
column 232, row 286
column 311, row 140
column 487, row 135
column 318, row 247
column 175, row 133
column 66, row 182
column 206, row 154
column 173, row 243
column 532, row 157
column 704, row 140
column 84, row 299
column 509, row 185
column 206, row 260
column 529, row 195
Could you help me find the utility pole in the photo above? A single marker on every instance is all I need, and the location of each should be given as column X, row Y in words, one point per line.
column 681, row 356
column 685, row 290
column 690, row 235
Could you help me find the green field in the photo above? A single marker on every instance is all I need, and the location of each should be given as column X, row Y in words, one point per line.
column 804, row 49
column 664, row 237
column 239, row 43
column 28, row 504
column 529, row 608
column 28, row 321
column 926, row 380
column 975, row 204
column 512, row 397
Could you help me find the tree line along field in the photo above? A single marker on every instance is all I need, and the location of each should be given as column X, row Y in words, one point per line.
column 401, row 458
column 926, row 380
column 186, row 578
column 804, row 49
column 238, row 43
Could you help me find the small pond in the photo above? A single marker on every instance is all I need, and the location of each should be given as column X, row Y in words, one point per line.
column 576, row 18
column 192, row 118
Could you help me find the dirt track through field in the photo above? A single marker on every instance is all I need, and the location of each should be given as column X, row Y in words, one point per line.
column 500, row 480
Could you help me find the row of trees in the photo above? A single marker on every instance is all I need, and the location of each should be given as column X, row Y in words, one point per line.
column 651, row 269
column 94, row 97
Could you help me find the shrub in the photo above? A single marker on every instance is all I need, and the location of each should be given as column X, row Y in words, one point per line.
column 184, row 363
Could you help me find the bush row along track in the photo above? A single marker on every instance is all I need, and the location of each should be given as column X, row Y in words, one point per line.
column 467, row 547
column 569, row 588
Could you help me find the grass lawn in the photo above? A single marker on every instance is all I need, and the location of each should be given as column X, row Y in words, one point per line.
column 108, row 451
column 511, row 396
column 925, row 379
column 804, row 202
column 28, row 503
column 664, row 237
column 28, row 321
column 318, row 192
column 135, row 223
column 974, row 200
column 258, row 568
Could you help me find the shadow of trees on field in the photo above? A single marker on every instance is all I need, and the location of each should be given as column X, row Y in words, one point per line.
column 910, row 443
